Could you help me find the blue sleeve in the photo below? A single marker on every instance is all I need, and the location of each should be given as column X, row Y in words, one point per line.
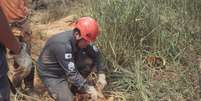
column 3, row 61
column 94, row 52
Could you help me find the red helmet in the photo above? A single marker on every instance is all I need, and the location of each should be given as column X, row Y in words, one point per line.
column 88, row 28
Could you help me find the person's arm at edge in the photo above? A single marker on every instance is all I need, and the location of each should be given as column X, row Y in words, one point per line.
column 6, row 36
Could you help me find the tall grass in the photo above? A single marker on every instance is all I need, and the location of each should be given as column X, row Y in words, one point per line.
column 134, row 29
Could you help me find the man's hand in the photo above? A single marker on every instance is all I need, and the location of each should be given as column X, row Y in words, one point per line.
column 24, row 60
column 101, row 83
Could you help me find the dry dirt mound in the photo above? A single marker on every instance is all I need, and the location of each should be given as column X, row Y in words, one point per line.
column 41, row 32
column 53, row 27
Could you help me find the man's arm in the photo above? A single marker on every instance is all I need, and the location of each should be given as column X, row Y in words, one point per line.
column 26, row 3
column 6, row 36
column 94, row 52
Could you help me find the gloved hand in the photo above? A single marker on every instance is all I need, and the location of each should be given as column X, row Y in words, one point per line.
column 101, row 82
column 24, row 60
column 92, row 92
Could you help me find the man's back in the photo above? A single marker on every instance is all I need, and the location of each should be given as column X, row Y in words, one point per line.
column 48, row 61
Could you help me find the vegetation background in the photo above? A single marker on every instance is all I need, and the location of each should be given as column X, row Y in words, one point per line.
column 152, row 47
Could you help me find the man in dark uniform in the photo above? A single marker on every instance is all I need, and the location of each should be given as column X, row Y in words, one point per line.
column 68, row 58
column 7, row 40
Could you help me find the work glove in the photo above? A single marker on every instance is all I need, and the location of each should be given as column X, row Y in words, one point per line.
column 92, row 92
column 23, row 59
column 101, row 82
